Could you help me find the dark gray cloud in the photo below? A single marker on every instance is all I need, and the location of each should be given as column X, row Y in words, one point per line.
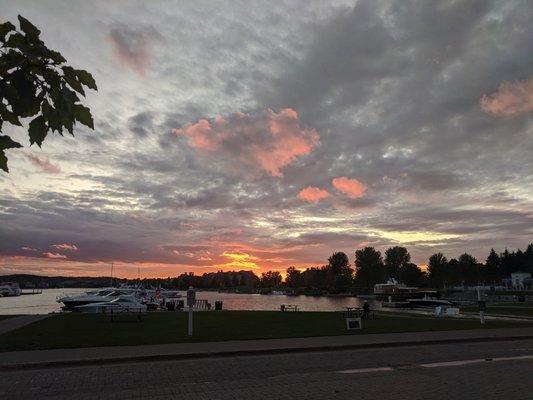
column 132, row 47
column 393, row 90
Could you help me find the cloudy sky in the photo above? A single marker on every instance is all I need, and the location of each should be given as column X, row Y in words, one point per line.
column 261, row 135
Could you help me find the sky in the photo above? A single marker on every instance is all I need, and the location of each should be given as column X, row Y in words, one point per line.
column 260, row 135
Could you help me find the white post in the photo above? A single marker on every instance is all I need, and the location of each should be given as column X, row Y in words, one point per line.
column 481, row 312
column 191, row 300
column 189, row 332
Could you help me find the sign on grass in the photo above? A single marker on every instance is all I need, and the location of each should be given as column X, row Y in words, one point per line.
column 353, row 323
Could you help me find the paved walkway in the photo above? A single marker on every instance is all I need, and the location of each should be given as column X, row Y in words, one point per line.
column 92, row 355
column 10, row 324
column 470, row 371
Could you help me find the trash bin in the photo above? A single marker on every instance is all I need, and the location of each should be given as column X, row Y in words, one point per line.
column 218, row 305
column 171, row 305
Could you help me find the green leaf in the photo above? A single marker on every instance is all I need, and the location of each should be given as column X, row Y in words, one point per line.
column 28, row 28
column 56, row 56
column 6, row 143
column 86, row 78
column 24, row 104
column 38, row 130
column 83, row 115
column 15, row 40
column 8, row 115
column 72, row 79
column 3, row 161
column 5, row 28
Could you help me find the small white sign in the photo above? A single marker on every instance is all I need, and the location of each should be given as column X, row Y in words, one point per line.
column 191, row 297
column 353, row 323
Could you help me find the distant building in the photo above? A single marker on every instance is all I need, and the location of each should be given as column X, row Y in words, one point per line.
column 521, row 280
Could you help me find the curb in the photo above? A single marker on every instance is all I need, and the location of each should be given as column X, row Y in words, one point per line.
column 241, row 353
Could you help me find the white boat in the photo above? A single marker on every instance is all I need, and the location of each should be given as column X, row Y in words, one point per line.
column 8, row 289
column 428, row 302
column 95, row 296
column 155, row 296
column 392, row 287
column 122, row 304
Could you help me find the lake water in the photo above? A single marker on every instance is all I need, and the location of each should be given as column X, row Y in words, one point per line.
column 46, row 302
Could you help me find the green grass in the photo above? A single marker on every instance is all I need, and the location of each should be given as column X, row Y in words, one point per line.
column 7, row 316
column 85, row 330
column 504, row 310
column 513, row 304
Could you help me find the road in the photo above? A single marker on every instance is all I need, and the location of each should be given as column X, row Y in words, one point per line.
column 458, row 371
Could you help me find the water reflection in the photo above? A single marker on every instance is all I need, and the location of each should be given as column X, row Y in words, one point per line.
column 46, row 302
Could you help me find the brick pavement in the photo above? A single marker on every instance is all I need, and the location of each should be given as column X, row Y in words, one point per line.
column 294, row 376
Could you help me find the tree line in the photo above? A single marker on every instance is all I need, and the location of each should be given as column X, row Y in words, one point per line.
column 337, row 276
column 371, row 267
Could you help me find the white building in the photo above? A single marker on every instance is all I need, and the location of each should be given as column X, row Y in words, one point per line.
column 520, row 280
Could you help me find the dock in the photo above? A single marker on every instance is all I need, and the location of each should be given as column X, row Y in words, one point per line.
column 31, row 291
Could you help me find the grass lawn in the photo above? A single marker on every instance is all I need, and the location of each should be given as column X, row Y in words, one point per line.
column 495, row 309
column 513, row 304
column 85, row 330
column 7, row 316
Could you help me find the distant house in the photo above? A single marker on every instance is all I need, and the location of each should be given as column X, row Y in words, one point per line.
column 521, row 280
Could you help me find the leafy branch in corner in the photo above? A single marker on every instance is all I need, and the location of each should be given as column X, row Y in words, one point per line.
column 36, row 83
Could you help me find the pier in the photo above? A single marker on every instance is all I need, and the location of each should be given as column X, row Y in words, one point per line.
column 31, row 291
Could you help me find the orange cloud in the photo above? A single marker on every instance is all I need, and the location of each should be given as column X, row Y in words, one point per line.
column 54, row 255
column 350, row 187
column 44, row 164
column 510, row 99
column 65, row 246
column 313, row 194
column 270, row 141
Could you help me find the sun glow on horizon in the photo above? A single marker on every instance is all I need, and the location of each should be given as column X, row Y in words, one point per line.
column 239, row 260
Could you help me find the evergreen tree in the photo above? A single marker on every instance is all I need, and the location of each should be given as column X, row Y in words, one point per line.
column 469, row 268
column 491, row 272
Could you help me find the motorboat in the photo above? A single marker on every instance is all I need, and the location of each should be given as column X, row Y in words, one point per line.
column 154, row 296
column 8, row 289
column 121, row 304
column 394, row 290
column 95, row 296
column 429, row 302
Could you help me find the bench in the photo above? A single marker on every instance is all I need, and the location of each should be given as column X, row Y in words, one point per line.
column 289, row 307
column 355, row 312
column 114, row 313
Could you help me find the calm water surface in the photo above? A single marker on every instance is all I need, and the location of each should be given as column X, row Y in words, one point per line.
column 46, row 302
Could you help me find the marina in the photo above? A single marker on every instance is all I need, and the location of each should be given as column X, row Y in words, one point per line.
column 47, row 301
